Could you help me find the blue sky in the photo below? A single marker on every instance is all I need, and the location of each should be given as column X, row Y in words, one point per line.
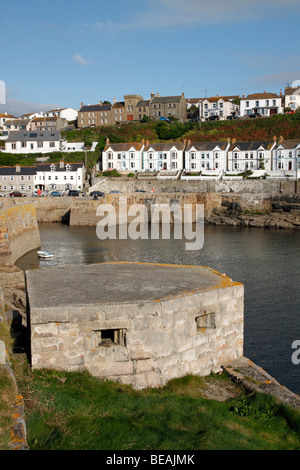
column 65, row 52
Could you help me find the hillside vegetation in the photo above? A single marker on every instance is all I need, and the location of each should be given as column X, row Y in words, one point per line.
column 286, row 125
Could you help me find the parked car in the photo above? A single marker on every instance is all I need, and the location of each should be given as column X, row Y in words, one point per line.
column 254, row 115
column 115, row 191
column 139, row 191
column 56, row 193
column 75, row 192
column 17, row 194
column 232, row 116
column 212, row 118
column 36, row 194
column 2, row 194
column 164, row 119
column 97, row 194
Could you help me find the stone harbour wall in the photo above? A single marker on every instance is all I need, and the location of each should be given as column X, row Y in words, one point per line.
column 19, row 232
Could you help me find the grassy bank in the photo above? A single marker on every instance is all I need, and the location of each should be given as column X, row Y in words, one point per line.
column 7, row 392
column 68, row 411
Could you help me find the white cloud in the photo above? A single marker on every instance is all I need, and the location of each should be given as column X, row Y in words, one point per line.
column 78, row 58
column 19, row 107
column 165, row 14
column 168, row 13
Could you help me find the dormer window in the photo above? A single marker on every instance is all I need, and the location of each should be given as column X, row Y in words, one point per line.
column 52, row 167
column 68, row 167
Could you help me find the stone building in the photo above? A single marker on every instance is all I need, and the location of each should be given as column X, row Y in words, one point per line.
column 168, row 106
column 137, row 323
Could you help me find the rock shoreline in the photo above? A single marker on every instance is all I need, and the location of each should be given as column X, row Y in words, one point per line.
column 278, row 219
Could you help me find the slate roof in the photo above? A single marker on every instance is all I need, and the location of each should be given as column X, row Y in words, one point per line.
column 289, row 144
column 206, row 145
column 47, row 166
column 251, row 145
column 95, row 107
column 142, row 104
column 164, row 146
column 166, row 99
column 123, row 147
column 11, row 170
column 44, row 136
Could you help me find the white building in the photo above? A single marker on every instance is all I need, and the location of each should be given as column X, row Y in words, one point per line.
column 250, row 156
column 59, row 176
column 220, row 106
column 33, row 142
column 163, row 156
column 265, row 104
column 206, row 156
column 122, row 157
column 64, row 113
column 292, row 98
column 286, row 154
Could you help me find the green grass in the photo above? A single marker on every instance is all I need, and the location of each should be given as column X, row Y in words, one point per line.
column 67, row 411
column 7, row 393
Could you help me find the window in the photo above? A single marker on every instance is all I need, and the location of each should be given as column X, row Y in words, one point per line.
column 111, row 337
column 23, row 144
column 52, row 144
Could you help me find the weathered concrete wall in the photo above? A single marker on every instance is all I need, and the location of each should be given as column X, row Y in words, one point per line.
column 84, row 211
column 264, row 188
column 19, row 232
column 189, row 331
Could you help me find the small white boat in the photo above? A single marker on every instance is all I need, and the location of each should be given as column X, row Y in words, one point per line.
column 44, row 254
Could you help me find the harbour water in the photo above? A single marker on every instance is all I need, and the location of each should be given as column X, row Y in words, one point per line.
column 267, row 262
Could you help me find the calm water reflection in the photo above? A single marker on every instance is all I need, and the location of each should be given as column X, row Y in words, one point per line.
column 266, row 262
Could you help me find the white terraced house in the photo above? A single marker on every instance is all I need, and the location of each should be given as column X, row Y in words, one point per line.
column 163, row 156
column 122, row 157
column 33, row 142
column 250, row 156
column 59, row 176
column 286, row 155
column 206, row 156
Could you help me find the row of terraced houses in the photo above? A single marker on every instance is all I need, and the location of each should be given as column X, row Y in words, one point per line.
column 211, row 158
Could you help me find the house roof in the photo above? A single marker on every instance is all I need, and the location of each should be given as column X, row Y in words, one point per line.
column 55, row 110
column 95, row 107
column 123, row 147
column 42, row 118
column 17, row 122
column 261, row 96
column 206, row 145
column 166, row 99
column 118, row 104
column 164, row 146
column 142, row 104
column 251, row 145
column 47, row 166
column 7, row 116
column 34, row 136
column 291, row 90
column 289, row 144
column 11, row 170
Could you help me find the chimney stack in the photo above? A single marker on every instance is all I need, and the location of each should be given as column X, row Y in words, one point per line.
column 61, row 164
column 18, row 168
